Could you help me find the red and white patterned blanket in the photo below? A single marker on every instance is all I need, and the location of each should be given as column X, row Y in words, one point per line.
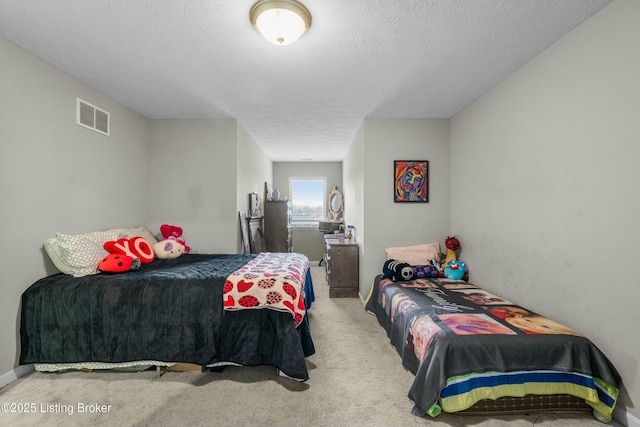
column 270, row 280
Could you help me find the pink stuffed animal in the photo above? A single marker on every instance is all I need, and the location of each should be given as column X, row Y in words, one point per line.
column 168, row 249
column 173, row 232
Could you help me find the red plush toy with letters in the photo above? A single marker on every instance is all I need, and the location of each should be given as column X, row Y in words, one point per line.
column 135, row 247
column 174, row 232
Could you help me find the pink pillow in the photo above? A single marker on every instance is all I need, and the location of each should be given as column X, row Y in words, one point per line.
column 416, row 254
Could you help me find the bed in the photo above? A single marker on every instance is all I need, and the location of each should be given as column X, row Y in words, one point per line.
column 171, row 311
column 469, row 348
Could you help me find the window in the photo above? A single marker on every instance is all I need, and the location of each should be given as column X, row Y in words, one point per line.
column 308, row 197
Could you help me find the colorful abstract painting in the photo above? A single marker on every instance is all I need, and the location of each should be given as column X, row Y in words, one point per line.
column 411, row 181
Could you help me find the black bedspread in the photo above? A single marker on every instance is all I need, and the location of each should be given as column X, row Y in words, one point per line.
column 169, row 310
column 465, row 344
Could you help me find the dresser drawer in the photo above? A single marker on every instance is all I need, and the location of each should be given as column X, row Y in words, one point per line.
column 341, row 264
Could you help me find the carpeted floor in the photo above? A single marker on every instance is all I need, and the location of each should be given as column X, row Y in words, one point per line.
column 356, row 380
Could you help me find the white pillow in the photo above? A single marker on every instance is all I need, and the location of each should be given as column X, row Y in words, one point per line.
column 137, row 231
column 416, row 254
column 83, row 252
column 52, row 248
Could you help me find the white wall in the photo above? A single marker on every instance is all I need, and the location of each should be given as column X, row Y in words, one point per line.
column 193, row 182
column 353, row 173
column 381, row 222
column 254, row 168
column 544, row 184
column 56, row 176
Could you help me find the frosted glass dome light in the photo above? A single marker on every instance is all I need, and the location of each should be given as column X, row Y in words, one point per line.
column 281, row 22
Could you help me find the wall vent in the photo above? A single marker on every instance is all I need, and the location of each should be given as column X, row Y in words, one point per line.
column 92, row 117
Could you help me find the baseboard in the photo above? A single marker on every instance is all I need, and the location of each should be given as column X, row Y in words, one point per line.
column 625, row 418
column 9, row 377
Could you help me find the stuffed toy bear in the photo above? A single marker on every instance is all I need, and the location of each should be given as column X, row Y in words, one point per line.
column 397, row 271
column 455, row 270
column 175, row 232
column 168, row 249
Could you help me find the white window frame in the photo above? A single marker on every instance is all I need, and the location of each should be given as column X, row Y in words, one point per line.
column 313, row 225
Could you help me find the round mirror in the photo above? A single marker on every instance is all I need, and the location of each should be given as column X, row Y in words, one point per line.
column 335, row 203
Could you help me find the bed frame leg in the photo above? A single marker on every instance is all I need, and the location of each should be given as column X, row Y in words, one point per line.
column 159, row 370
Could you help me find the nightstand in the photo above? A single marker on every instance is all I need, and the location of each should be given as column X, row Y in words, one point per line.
column 341, row 266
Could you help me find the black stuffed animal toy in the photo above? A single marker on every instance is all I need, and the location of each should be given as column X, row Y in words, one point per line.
column 396, row 270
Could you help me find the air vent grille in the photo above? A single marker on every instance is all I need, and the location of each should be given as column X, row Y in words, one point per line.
column 92, row 117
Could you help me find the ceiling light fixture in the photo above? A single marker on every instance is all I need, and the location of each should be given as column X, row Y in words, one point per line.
column 281, row 22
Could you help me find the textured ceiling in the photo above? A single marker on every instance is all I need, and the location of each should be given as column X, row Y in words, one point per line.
column 197, row 59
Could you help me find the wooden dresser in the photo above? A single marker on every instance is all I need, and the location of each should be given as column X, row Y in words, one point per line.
column 277, row 226
column 341, row 266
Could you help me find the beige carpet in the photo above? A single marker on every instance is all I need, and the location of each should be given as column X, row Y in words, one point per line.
column 356, row 379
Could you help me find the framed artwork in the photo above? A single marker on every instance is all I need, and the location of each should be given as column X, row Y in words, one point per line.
column 411, row 181
column 254, row 205
column 244, row 229
column 268, row 191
